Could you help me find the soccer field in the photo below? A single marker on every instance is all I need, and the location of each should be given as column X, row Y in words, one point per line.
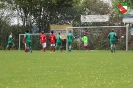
column 78, row 69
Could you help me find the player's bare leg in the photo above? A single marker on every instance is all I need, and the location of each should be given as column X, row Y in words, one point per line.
column 114, row 47
column 6, row 48
column 111, row 48
column 30, row 49
column 69, row 49
column 54, row 49
column 43, row 49
column 25, row 47
column 51, row 48
column 12, row 46
column 61, row 48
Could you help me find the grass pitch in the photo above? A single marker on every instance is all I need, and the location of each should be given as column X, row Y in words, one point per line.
column 78, row 69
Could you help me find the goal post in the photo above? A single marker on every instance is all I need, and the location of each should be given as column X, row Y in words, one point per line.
column 101, row 32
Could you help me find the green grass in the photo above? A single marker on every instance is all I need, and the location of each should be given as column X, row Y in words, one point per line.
column 78, row 69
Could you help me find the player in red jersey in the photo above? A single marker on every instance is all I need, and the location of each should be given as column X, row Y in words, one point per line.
column 43, row 41
column 24, row 42
column 52, row 39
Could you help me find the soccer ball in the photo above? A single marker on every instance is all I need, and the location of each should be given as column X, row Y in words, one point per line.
column 122, row 36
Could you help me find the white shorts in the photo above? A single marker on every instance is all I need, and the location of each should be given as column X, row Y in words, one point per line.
column 52, row 44
column 85, row 44
column 25, row 44
column 43, row 44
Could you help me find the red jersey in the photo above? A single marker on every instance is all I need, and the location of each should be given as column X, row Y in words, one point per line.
column 43, row 38
column 24, row 40
column 52, row 38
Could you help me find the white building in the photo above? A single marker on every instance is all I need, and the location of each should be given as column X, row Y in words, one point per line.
column 128, row 18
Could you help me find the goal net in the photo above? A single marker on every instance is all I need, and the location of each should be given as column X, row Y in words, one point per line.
column 98, row 37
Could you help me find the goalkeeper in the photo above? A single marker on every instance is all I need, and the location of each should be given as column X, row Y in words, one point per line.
column 112, row 37
column 85, row 41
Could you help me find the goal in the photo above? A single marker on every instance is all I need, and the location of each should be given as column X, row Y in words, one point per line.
column 98, row 37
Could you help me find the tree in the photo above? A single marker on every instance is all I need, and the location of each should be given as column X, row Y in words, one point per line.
column 38, row 11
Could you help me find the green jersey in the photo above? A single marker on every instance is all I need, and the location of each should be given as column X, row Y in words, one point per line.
column 10, row 38
column 112, row 36
column 58, row 38
column 85, row 39
column 70, row 37
column 10, row 42
column 28, row 37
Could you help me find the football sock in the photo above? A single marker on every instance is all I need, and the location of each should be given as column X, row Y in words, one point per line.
column 54, row 49
column 61, row 49
column 26, row 50
column 86, row 47
column 30, row 49
column 6, row 47
column 51, row 48
column 69, row 49
column 111, row 47
column 114, row 49
column 44, row 49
